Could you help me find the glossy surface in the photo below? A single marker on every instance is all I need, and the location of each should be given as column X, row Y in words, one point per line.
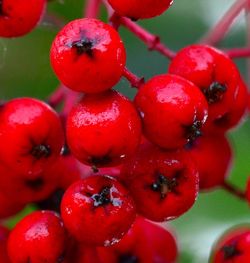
column 204, row 65
column 146, row 242
column 18, row 17
column 179, row 188
column 39, row 237
column 233, row 246
column 103, row 129
column 169, row 107
column 26, row 124
column 95, row 222
column 212, row 155
column 136, row 9
column 98, row 62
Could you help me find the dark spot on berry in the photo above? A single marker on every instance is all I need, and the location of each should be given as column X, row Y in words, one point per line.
column 40, row 151
column 165, row 185
column 103, row 198
column 35, row 184
column 94, row 169
column 100, row 161
column 65, row 150
column 214, row 92
column 230, row 251
column 60, row 259
column 223, row 120
column 128, row 259
column 193, row 131
column 1, row 8
column 53, row 202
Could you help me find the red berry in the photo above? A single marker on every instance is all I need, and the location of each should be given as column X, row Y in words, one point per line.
column 39, row 237
column 27, row 189
column 103, row 129
column 88, row 55
column 212, row 155
column 136, row 9
column 145, row 242
column 9, row 205
column 97, row 210
column 173, row 110
column 233, row 246
column 31, row 136
column 164, row 185
column 217, row 77
column 4, row 233
column 18, row 18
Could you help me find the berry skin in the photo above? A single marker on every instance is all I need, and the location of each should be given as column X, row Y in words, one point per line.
column 173, row 111
column 217, row 77
column 88, row 56
column 103, row 129
column 138, row 9
column 145, row 242
column 9, row 205
column 163, row 184
column 4, row 233
column 233, row 246
column 213, row 156
column 31, row 136
column 39, row 237
column 18, row 18
column 97, row 210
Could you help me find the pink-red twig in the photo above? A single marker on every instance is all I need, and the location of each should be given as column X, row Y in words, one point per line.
column 233, row 190
column 92, row 8
column 152, row 41
column 238, row 52
column 134, row 80
column 221, row 28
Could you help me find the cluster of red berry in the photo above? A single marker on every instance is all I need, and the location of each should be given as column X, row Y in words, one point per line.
column 109, row 164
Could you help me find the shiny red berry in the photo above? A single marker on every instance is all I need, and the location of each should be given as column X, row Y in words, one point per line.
column 163, row 184
column 39, row 237
column 4, row 233
column 145, row 242
column 136, row 9
column 97, row 210
column 217, row 77
column 18, row 18
column 31, row 136
column 173, row 111
column 103, row 129
column 88, row 56
column 212, row 155
column 233, row 246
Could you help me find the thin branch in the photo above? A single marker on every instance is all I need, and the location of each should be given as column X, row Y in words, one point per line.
column 243, row 52
column 221, row 28
column 134, row 80
column 233, row 190
column 152, row 41
column 92, row 8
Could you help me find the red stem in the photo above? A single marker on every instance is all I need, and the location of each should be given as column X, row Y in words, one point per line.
column 221, row 28
column 134, row 80
column 233, row 190
column 91, row 8
column 248, row 38
column 152, row 41
column 238, row 52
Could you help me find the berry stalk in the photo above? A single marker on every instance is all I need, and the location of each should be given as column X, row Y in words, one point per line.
column 92, row 8
column 221, row 28
column 134, row 80
column 233, row 190
column 235, row 53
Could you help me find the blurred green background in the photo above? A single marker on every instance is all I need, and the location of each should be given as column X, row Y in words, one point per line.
column 25, row 71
